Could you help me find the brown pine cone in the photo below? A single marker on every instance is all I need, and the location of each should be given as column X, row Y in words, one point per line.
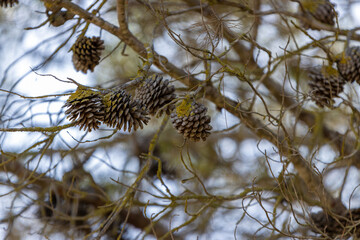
column 321, row 10
column 85, row 108
column 58, row 18
column 122, row 112
column 86, row 53
column 349, row 64
column 325, row 84
column 8, row 3
column 156, row 95
column 191, row 121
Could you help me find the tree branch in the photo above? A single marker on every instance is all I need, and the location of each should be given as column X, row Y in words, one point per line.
column 302, row 166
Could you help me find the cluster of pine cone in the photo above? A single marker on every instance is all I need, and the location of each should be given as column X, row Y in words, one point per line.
column 326, row 82
column 116, row 108
column 322, row 10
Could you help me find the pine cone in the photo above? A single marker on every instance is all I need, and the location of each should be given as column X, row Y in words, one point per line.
column 321, row 10
column 122, row 112
column 325, row 84
column 347, row 227
column 191, row 121
column 86, row 53
column 85, row 108
column 156, row 95
column 58, row 18
column 6, row 3
column 349, row 65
